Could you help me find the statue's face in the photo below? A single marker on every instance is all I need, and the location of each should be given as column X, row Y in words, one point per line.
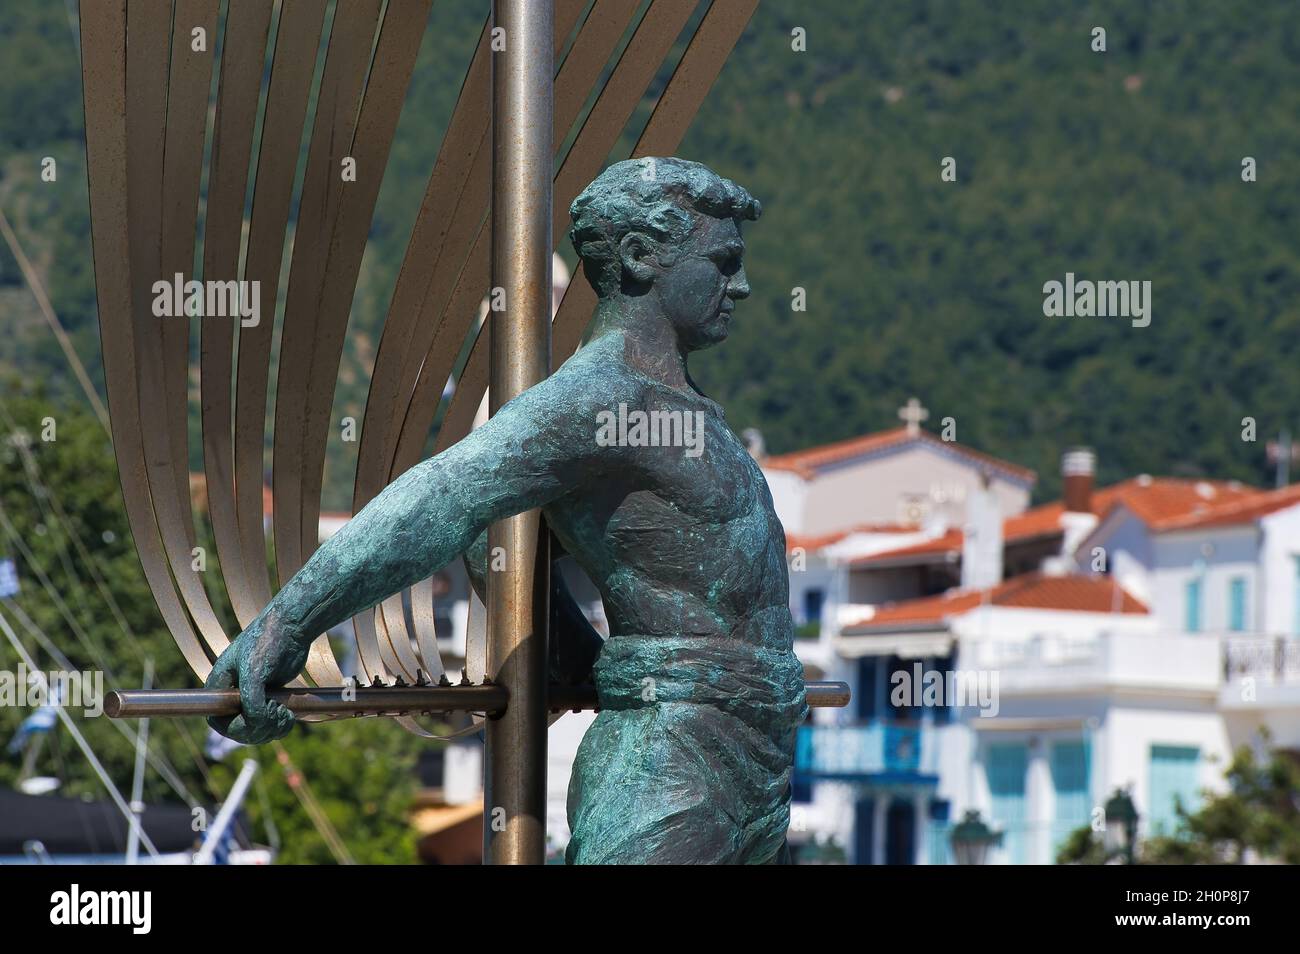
column 698, row 291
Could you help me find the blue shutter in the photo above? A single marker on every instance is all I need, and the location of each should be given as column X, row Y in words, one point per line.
column 1237, row 604
column 1173, row 776
column 1006, row 772
column 1193, row 607
column 1070, row 784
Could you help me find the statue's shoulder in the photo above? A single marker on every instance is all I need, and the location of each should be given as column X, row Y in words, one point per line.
column 598, row 375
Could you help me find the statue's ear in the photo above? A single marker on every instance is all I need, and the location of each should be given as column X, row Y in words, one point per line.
column 638, row 254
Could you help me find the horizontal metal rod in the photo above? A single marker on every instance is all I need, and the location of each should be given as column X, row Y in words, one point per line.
column 379, row 700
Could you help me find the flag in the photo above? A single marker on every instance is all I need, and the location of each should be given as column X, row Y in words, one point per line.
column 225, row 844
column 8, row 579
column 216, row 747
column 42, row 720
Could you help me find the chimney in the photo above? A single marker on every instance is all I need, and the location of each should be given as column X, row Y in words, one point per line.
column 981, row 548
column 1078, row 465
column 754, row 443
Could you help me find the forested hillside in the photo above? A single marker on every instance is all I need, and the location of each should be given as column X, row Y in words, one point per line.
column 1122, row 165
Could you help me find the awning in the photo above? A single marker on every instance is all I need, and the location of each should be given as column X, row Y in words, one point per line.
column 915, row 645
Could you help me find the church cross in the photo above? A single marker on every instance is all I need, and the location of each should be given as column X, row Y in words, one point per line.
column 913, row 414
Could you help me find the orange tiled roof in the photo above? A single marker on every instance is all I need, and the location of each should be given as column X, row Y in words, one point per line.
column 1228, row 513
column 941, row 546
column 807, row 462
column 1075, row 593
column 826, row 539
column 1154, row 500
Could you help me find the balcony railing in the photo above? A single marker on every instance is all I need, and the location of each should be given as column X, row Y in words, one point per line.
column 871, row 749
column 1272, row 660
column 1049, row 662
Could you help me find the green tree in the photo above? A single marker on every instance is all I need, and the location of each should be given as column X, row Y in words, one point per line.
column 62, row 522
column 1257, row 818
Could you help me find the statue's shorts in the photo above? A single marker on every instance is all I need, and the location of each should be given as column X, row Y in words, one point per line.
column 690, row 757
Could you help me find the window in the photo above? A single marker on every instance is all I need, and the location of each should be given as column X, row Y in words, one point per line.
column 1173, row 779
column 1237, row 604
column 812, row 605
column 1193, row 606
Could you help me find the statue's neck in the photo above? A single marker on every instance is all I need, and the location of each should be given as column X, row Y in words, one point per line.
column 650, row 343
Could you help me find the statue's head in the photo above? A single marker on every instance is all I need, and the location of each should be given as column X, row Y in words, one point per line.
column 668, row 228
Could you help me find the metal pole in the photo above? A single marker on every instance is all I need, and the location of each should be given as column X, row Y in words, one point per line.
column 137, row 782
column 380, row 701
column 228, row 808
column 514, row 783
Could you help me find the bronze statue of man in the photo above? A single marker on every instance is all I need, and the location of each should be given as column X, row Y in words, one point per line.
column 647, row 488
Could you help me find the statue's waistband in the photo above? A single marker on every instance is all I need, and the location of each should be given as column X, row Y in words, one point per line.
column 762, row 685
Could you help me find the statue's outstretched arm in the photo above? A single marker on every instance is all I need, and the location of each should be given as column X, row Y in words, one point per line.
column 534, row 449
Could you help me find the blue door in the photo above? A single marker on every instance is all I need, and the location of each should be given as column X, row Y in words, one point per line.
column 864, row 823
column 1173, row 777
column 900, row 833
column 1070, row 786
column 1006, row 766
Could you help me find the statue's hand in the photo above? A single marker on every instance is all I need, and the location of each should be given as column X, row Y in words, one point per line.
column 264, row 656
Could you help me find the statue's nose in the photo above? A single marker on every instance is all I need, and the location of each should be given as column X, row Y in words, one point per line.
column 738, row 287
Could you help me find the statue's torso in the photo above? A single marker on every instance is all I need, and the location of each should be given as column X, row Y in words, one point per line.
column 679, row 544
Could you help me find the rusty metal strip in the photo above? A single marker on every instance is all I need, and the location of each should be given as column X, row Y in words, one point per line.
column 599, row 36
column 457, row 156
column 346, row 62
column 167, row 186
column 293, row 63
column 242, row 58
column 653, row 39
column 395, row 56
column 149, row 28
column 454, row 205
column 189, row 83
column 680, row 101
column 394, row 60
column 595, row 42
column 104, row 74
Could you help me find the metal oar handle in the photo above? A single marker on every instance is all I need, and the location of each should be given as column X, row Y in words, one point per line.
column 379, row 700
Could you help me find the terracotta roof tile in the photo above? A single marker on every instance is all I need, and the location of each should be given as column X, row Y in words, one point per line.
column 826, row 539
column 807, row 462
column 1074, row 593
column 1239, row 510
column 1153, row 500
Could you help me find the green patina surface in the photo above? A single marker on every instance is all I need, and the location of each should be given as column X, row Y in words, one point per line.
column 645, row 485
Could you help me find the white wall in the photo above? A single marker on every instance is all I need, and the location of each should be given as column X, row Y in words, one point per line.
column 873, row 490
column 789, row 493
column 1131, row 730
column 1280, row 591
column 1216, row 557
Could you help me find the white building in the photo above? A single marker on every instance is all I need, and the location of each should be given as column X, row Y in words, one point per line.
column 1101, row 655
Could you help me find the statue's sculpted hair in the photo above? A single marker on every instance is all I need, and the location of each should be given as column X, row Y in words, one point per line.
column 651, row 196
